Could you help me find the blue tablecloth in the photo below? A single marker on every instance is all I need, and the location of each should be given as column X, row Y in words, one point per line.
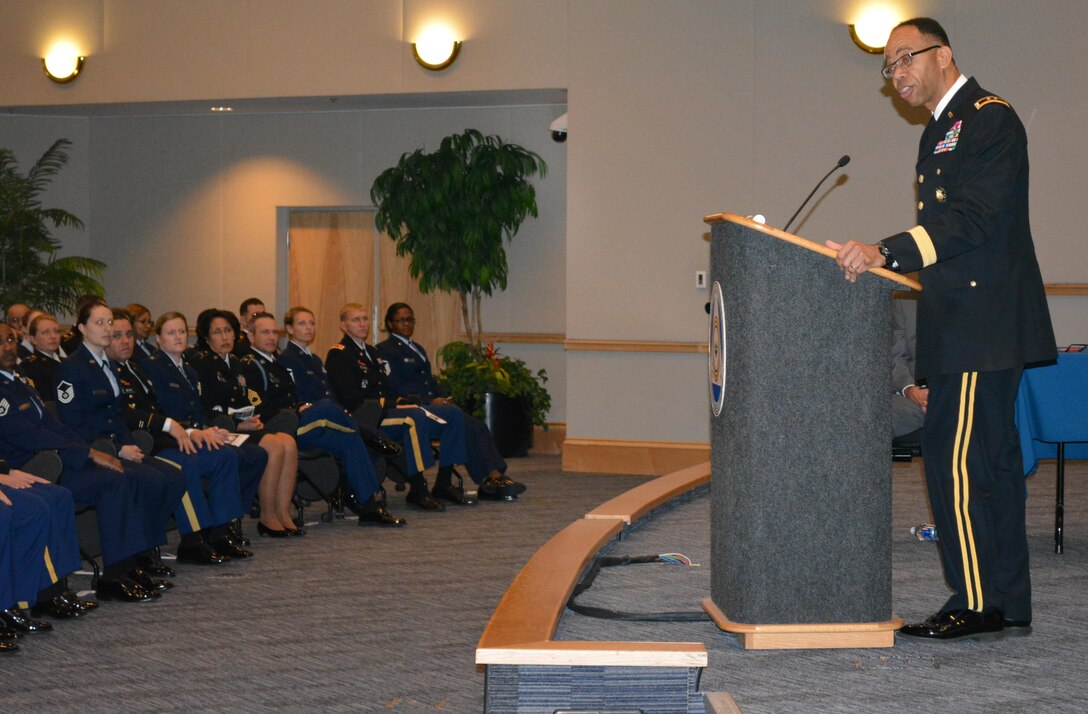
column 1052, row 407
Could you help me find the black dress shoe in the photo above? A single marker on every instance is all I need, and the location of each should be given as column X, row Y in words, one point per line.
column 231, row 549
column 125, row 589
column 158, row 569
column 296, row 532
column 75, row 599
column 19, row 620
column 6, row 633
column 234, row 532
column 500, row 488
column 382, row 445
column 264, row 530
column 954, row 624
column 423, row 500
column 453, row 494
column 8, row 647
column 144, row 578
column 381, row 517
column 202, row 554
column 58, row 608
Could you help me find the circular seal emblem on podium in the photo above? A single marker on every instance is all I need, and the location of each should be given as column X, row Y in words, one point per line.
column 717, row 349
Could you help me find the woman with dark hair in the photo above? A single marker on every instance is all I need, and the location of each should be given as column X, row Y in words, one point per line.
column 142, row 325
column 411, row 379
column 223, row 392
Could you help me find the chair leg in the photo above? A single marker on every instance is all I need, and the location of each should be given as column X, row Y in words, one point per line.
column 1059, row 506
column 94, row 568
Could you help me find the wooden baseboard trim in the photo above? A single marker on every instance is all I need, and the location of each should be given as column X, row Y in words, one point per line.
column 550, row 441
column 637, row 458
column 794, row 636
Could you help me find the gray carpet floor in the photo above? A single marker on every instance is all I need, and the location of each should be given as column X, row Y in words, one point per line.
column 366, row 620
column 1045, row 672
column 346, row 619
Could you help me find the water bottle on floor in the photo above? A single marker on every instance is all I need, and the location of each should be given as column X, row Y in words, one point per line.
column 924, row 531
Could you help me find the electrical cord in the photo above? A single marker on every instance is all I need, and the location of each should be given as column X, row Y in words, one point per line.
column 604, row 613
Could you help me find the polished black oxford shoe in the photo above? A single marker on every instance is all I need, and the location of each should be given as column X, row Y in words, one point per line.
column 229, row 548
column 423, row 500
column 201, row 553
column 75, row 599
column 381, row 517
column 234, row 532
column 8, row 647
column 158, row 569
column 500, row 488
column 6, row 633
column 125, row 589
column 19, row 620
column 955, row 624
column 144, row 578
column 58, row 608
column 453, row 494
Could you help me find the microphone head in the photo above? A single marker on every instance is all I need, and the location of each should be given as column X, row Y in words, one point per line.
column 844, row 160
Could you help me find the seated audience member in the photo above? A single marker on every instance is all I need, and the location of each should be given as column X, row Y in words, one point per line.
column 908, row 399
column 127, row 502
column 312, row 385
column 246, row 311
column 41, row 367
column 7, row 577
column 223, row 393
column 412, row 381
column 71, row 339
column 174, row 390
column 357, row 375
column 49, row 551
column 17, row 318
column 142, row 327
column 143, row 409
column 321, row 425
column 91, row 401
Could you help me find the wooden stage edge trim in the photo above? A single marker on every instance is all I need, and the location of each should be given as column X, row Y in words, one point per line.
column 634, row 458
column 836, row 635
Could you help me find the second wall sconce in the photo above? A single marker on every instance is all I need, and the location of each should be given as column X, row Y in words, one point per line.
column 871, row 29
column 63, row 63
column 436, row 48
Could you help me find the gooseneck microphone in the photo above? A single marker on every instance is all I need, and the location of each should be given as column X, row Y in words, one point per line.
column 842, row 162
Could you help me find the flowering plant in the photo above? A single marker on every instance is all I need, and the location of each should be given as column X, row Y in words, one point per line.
column 472, row 370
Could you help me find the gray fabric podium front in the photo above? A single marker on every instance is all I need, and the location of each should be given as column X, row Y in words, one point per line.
column 801, row 472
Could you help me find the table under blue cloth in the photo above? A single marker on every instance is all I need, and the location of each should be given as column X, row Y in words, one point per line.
column 1052, row 407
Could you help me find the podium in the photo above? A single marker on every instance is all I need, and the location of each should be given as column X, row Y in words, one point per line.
column 800, row 449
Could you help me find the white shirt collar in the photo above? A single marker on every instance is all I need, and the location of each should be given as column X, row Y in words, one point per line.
column 267, row 356
column 960, row 81
column 361, row 344
column 304, row 348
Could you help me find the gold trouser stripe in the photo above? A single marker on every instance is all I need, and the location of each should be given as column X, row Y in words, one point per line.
column 49, row 567
column 190, row 512
column 925, row 245
column 417, row 454
column 962, row 492
column 175, row 464
column 323, row 424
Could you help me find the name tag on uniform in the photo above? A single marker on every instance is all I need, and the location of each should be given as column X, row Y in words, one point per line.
column 98, row 392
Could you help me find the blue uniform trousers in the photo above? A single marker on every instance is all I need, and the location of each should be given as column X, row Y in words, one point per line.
column 195, row 510
column 7, row 545
column 481, row 456
column 417, row 446
column 324, row 425
column 61, row 553
column 29, row 535
column 122, row 502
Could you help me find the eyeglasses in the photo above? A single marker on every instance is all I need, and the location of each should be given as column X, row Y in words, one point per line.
column 904, row 61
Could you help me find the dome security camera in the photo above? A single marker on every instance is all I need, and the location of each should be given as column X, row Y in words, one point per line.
column 558, row 127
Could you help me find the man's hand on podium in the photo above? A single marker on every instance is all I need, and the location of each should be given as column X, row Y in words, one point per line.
column 855, row 258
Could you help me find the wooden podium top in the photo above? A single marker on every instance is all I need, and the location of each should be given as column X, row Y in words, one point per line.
column 806, row 244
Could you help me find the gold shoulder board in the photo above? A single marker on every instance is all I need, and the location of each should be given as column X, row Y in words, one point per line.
column 992, row 99
column 337, row 346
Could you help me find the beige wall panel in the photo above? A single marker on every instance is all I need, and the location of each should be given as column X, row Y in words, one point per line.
column 623, row 395
column 508, row 44
column 660, row 135
column 323, row 47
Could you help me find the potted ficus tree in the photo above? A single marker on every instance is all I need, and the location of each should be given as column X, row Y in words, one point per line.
column 31, row 272
column 451, row 211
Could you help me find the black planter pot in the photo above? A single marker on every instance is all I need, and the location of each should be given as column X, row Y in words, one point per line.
column 508, row 420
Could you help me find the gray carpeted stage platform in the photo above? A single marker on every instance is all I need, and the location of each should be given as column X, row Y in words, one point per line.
column 1046, row 672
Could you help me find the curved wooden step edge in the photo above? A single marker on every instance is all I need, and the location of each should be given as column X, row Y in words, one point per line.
column 632, row 505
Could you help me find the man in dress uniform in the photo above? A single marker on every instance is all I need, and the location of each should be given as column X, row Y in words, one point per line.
column 982, row 317
column 246, row 311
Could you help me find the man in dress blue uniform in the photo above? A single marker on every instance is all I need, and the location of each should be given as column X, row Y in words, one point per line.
column 982, row 317
column 94, row 478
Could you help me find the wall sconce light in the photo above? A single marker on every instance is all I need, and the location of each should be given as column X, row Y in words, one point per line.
column 870, row 31
column 436, row 48
column 63, row 64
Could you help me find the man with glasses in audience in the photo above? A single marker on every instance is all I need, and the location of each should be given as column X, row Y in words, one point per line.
column 982, row 317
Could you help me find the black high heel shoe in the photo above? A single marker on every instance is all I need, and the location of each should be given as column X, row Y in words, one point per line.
column 264, row 530
column 295, row 531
